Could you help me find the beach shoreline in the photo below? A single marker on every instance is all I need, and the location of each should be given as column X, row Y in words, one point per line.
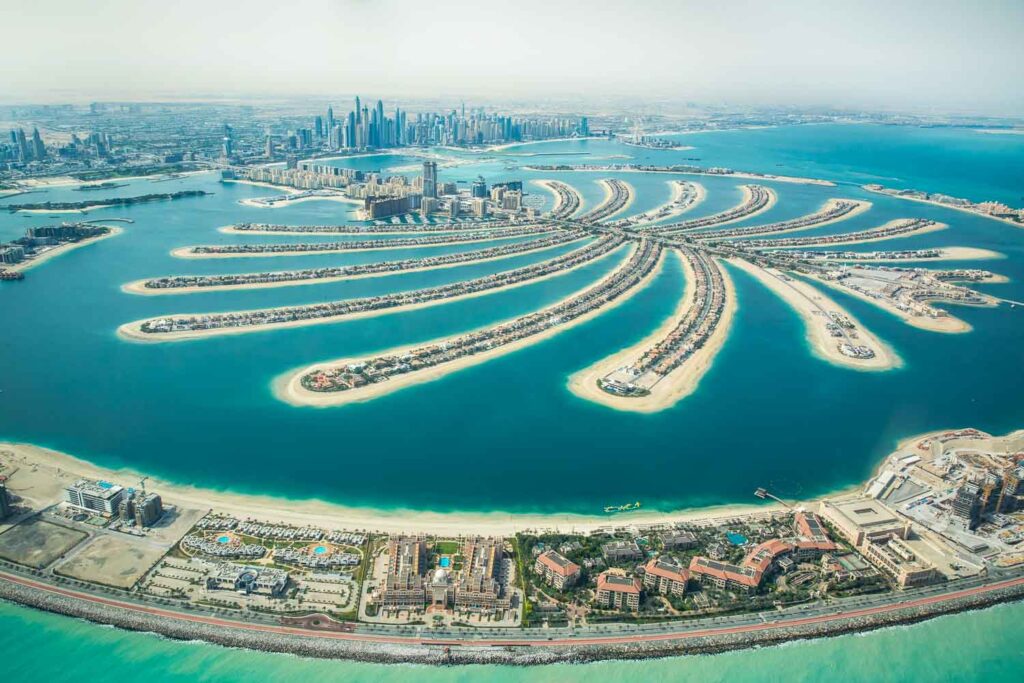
column 933, row 227
column 801, row 298
column 133, row 331
column 678, row 384
column 288, row 388
column 63, row 249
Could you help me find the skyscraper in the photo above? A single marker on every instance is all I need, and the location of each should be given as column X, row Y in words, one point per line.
column 38, row 148
column 330, row 118
column 429, row 178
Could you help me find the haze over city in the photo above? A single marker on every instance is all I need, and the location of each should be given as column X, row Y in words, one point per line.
column 914, row 55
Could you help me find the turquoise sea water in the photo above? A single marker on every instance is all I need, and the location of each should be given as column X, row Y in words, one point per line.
column 975, row 646
column 508, row 434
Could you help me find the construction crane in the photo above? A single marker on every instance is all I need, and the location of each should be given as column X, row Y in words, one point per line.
column 142, row 485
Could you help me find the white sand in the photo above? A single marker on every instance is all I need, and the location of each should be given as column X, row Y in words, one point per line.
column 679, row 383
column 920, row 231
column 861, row 207
column 549, row 186
column 65, row 469
column 948, row 206
column 677, row 193
column 133, row 331
column 807, row 302
column 63, row 249
column 289, row 389
column 187, row 253
column 947, row 254
column 139, row 286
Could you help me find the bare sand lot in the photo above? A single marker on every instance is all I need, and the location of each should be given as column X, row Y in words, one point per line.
column 38, row 544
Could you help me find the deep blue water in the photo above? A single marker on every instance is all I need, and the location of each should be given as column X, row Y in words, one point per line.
column 508, row 434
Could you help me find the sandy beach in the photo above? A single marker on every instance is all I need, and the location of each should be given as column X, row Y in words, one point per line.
column 609, row 193
column 808, row 302
column 289, row 389
column 677, row 193
column 736, row 174
column 546, row 184
column 260, row 202
column 187, row 253
column 747, row 194
column 947, row 324
column 679, row 383
column 139, row 286
column 399, row 229
column 948, row 206
column 60, row 181
column 63, row 249
column 53, row 470
column 946, row 254
column 913, row 233
column 133, row 331
column 861, row 207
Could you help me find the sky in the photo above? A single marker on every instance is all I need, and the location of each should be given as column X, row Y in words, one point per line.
column 937, row 55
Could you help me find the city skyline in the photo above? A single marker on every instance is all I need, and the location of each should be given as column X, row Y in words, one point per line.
column 813, row 56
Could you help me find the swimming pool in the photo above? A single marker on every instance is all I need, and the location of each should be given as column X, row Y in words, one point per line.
column 736, row 539
column 223, row 540
column 319, row 550
column 445, row 562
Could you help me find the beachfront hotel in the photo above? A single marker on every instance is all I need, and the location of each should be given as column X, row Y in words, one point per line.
column 665, row 577
column 615, row 590
column 557, row 570
column 95, row 496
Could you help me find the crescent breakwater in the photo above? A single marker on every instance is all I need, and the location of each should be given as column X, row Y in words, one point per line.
column 185, row 326
column 679, row 169
column 298, row 249
column 187, row 284
column 756, row 199
column 349, row 380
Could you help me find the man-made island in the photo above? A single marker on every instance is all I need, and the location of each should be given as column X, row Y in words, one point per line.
column 90, row 204
column 937, row 529
column 44, row 242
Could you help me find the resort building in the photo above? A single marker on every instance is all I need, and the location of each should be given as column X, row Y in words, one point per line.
column 863, row 520
column 140, row 509
column 621, row 551
column 557, row 570
column 724, row 576
column 665, row 577
column 479, row 586
column 403, row 586
column 679, row 540
column 248, row 580
column 95, row 496
column 894, row 557
column 615, row 590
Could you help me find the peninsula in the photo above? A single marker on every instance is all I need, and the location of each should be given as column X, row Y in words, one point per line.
column 88, row 205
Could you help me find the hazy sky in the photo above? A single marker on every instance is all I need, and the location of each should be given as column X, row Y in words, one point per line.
column 893, row 53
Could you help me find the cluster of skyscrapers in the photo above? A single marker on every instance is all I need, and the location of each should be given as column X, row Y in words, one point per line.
column 367, row 127
column 21, row 148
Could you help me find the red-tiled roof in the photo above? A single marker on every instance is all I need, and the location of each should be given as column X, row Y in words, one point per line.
column 746, row 576
column 667, row 571
column 617, row 583
column 558, row 563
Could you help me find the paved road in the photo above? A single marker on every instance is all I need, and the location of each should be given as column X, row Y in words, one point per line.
column 749, row 624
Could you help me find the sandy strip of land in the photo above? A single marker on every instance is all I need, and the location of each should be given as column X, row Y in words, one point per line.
column 679, row 383
column 947, row 323
column 509, row 145
column 913, row 233
column 737, row 174
column 609, row 192
column 747, row 194
column 288, row 387
column 946, row 254
column 133, row 331
column 260, row 202
column 187, row 253
column 948, row 206
column 808, row 303
column 861, row 207
column 139, row 286
column 399, row 229
column 59, row 181
column 547, row 185
column 677, row 194
column 54, row 470
column 63, row 249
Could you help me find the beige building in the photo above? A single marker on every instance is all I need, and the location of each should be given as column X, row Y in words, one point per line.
column 557, row 570
column 404, row 585
column 863, row 520
column 667, row 578
column 893, row 556
column 615, row 590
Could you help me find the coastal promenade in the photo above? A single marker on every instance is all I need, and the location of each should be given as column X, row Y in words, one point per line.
column 524, row 646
